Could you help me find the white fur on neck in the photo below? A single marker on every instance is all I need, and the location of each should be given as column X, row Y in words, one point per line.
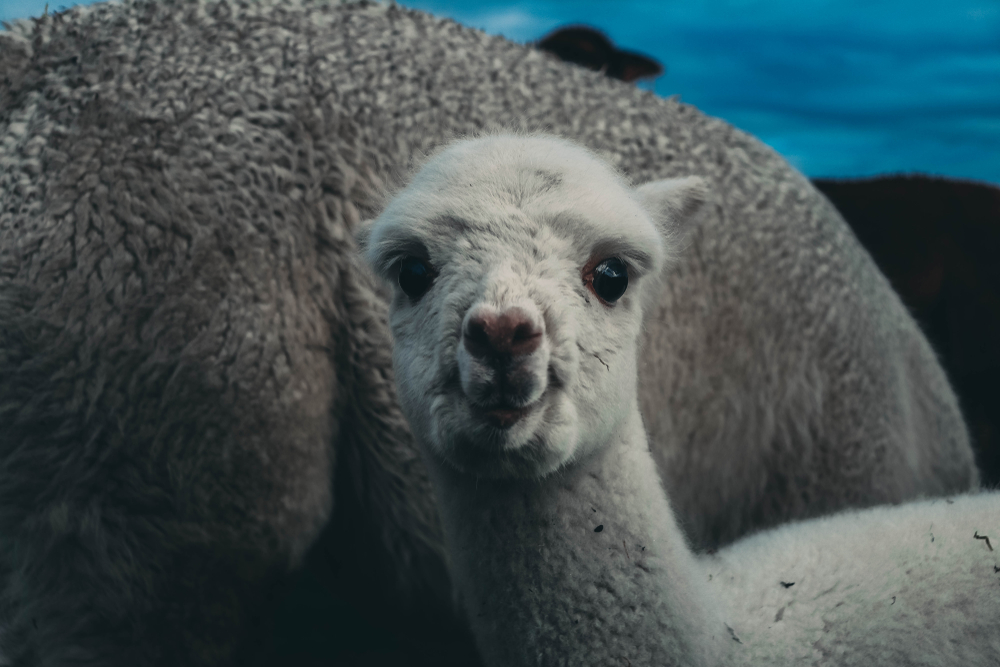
column 585, row 567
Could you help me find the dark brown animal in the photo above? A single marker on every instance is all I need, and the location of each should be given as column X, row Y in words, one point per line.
column 591, row 48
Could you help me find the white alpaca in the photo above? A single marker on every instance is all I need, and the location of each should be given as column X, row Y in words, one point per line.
column 522, row 265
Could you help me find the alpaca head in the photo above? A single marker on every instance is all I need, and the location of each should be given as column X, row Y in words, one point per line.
column 519, row 267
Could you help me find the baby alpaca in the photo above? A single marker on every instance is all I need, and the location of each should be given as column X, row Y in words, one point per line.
column 516, row 324
column 522, row 266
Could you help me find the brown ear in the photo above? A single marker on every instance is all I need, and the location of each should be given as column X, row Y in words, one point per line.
column 673, row 202
column 629, row 66
column 579, row 44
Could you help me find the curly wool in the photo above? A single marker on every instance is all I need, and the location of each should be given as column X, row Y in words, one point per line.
column 187, row 343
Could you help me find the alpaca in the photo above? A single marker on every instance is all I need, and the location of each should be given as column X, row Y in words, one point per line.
column 516, row 260
column 194, row 369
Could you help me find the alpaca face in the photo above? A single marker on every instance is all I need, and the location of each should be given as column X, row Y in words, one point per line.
column 518, row 267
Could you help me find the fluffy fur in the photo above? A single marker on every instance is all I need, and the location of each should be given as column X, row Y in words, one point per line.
column 910, row 585
column 575, row 558
column 188, row 348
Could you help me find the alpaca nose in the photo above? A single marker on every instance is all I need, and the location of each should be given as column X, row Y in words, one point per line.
column 512, row 333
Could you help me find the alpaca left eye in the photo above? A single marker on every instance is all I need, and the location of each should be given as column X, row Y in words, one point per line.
column 415, row 277
column 610, row 279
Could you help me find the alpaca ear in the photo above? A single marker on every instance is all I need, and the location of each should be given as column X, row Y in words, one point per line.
column 673, row 202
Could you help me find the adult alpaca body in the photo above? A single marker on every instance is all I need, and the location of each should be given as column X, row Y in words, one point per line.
column 188, row 349
column 515, row 258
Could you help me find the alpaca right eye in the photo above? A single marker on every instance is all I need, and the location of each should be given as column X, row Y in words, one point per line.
column 610, row 279
column 415, row 277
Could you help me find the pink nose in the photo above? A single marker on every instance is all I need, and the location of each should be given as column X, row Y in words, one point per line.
column 512, row 333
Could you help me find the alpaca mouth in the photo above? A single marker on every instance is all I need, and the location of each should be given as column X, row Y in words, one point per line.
column 503, row 403
column 503, row 437
column 503, row 417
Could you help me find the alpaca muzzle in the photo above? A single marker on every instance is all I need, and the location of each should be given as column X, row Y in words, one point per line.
column 502, row 361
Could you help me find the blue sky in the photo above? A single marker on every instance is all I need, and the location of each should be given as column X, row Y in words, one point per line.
column 840, row 87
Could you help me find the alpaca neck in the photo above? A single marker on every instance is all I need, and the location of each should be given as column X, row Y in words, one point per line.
column 586, row 566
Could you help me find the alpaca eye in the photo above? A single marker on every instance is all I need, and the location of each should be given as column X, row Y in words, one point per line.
column 610, row 279
column 415, row 277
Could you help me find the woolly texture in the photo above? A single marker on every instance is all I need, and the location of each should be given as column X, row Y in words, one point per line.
column 911, row 585
column 186, row 341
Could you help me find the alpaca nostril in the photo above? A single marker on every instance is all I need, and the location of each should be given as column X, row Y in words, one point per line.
column 476, row 338
column 512, row 333
column 525, row 339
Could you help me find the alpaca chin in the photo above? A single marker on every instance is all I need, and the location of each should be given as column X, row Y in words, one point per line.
column 534, row 446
